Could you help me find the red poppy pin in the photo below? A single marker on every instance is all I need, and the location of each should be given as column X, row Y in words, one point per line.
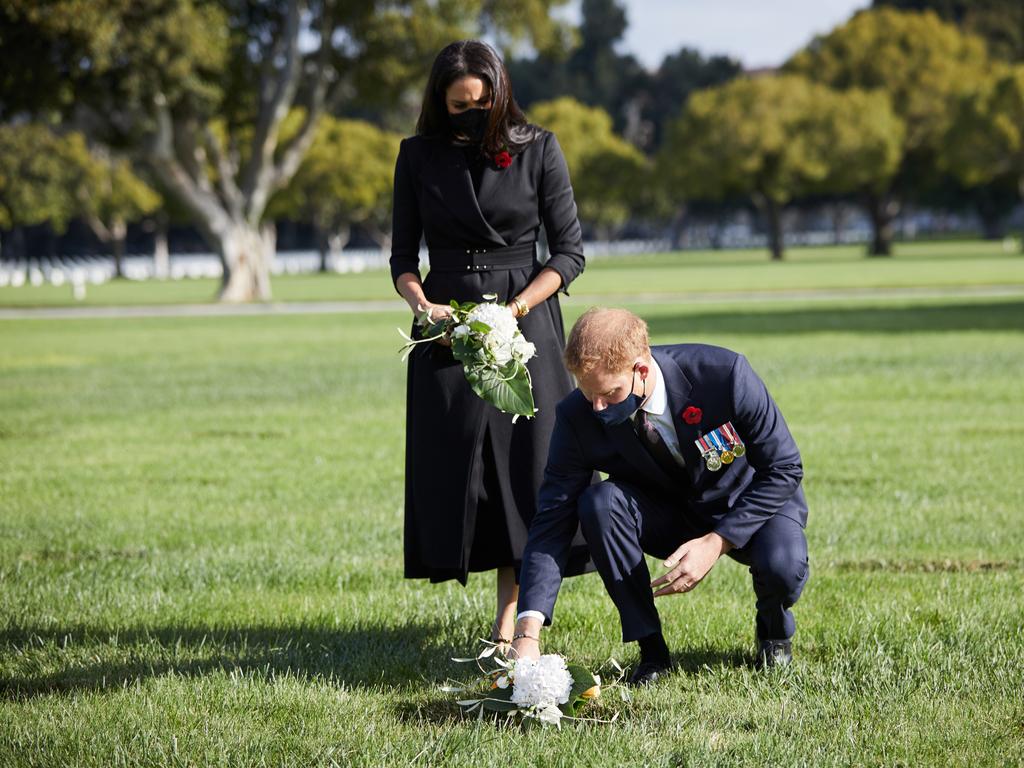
column 503, row 159
column 692, row 414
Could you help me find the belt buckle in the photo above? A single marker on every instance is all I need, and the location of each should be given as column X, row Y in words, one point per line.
column 477, row 267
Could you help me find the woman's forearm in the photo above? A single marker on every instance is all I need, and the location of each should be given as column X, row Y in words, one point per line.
column 539, row 290
column 411, row 289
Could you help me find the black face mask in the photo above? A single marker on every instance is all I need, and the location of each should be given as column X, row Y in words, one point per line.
column 471, row 123
column 619, row 413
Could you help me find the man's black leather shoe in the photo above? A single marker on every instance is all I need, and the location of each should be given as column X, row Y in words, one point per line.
column 773, row 653
column 648, row 673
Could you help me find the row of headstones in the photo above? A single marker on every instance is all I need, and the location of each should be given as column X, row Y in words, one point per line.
column 95, row 270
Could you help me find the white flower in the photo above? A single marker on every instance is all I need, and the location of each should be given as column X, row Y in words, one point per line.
column 551, row 715
column 500, row 348
column 498, row 317
column 522, row 348
column 460, row 331
column 542, row 683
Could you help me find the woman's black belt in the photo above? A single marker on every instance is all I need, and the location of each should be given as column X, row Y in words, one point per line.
column 482, row 259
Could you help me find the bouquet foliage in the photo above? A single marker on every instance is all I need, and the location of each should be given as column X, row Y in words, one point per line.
column 486, row 339
column 548, row 689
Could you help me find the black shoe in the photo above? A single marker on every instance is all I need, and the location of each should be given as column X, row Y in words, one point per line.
column 648, row 673
column 773, row 653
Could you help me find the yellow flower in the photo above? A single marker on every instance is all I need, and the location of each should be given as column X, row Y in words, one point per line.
column 592, row 692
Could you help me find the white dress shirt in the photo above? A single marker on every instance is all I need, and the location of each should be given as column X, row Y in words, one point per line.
column 658, row 414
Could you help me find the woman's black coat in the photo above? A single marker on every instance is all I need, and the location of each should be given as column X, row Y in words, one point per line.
column 450, row 432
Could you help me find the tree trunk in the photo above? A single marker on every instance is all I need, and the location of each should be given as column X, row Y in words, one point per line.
column 161, row 250
column 324, row 247
column 773, row 213
column 338, row 239
column 990, row 215
column 883, row 211
column 118, row 232
column 246, row 253
column 17, row 244
column 1020, row 190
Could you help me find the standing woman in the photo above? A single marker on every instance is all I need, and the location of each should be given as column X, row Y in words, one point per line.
column 477, row 181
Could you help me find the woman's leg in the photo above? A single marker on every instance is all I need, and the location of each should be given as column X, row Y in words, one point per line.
column 508, row 596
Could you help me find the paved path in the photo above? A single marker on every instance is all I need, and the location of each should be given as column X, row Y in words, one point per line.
column 349, row 307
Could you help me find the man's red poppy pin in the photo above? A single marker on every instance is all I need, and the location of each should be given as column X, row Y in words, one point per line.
column 692, row 414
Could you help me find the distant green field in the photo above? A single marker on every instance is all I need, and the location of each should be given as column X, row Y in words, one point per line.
column 200, row 542
column 939, row 264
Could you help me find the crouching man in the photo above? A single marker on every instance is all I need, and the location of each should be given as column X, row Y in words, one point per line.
column 700, row 463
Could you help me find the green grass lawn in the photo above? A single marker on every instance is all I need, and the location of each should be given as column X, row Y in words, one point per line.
column 937, row 265
column 200, row 550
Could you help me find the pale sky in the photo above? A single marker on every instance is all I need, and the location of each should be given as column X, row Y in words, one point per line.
column 760, row 33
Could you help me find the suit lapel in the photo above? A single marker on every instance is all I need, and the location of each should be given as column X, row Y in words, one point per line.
column 451, row 181
column 680, row 392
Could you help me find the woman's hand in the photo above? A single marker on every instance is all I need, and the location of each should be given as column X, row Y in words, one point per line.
column 434, row 313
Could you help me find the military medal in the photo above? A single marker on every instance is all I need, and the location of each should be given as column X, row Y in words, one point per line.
column 708, row 453
column 724, row 453
column 738, row 449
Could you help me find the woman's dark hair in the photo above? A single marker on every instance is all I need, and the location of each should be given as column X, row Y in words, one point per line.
column 507, row 126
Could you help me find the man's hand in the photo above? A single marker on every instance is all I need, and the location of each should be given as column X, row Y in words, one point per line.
column 527, row 647
column 690, row 563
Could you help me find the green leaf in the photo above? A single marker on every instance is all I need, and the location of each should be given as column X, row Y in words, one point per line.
column 509, row 395
column 499, row 700
column 478, row 326
column 582, row 680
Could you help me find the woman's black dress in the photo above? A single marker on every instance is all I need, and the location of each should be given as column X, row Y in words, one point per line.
column 471, row 475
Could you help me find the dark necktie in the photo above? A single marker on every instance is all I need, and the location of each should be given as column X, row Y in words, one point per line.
column 655, row 445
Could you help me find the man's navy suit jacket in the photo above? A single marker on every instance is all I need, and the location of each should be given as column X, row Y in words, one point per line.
column 734, row 501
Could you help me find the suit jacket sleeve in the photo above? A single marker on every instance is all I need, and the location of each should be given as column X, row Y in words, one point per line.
column 558, row 210
column 406, row 226
column 771, row 452
column 566, row 476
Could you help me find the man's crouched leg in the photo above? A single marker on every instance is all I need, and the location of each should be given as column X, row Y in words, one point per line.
column 777, row 557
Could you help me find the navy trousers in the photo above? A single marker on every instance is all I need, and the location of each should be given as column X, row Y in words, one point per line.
column 621, row 523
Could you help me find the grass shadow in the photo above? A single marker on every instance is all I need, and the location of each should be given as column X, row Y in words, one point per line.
column 981, row 316
column 366, row 656
column 696, row 661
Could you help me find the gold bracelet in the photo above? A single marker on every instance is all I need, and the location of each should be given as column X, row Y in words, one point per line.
column 522, row 635
column 522, row 306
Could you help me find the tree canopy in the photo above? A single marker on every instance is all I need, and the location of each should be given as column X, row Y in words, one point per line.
column 774, row 138
column 605, row 169
column 1000, row 22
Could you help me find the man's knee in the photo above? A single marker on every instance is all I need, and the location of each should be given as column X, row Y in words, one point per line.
column 782, row 565
column 598, row 503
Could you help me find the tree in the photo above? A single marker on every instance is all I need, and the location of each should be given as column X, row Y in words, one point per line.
column 775, row 138
column 33, row 178
column 344, row 180
column 604, row 168
column 986, row 138
column 1000, row 22
column 681, row 74
column 922, row 64
column 107, row 194
column 592, row 71
column 200, row 90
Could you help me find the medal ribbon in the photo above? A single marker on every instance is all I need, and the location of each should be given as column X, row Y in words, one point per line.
column 716, row 438
column 730, row 433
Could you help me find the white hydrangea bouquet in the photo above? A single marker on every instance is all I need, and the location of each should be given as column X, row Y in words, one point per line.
column 546, row 690
column 486, row 339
